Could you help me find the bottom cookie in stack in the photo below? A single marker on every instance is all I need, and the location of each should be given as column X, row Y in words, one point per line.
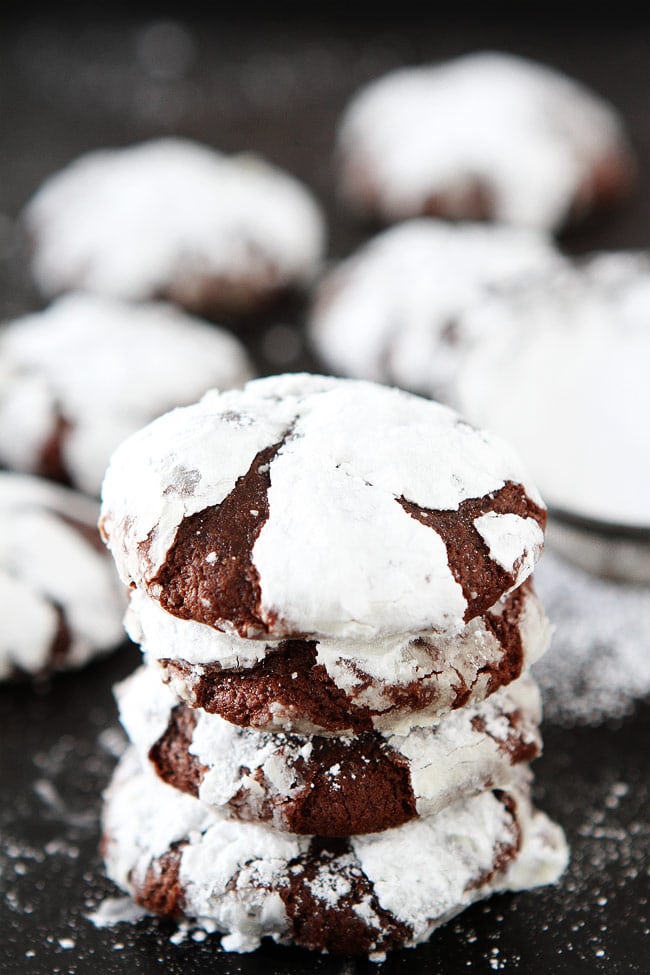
column 411, row 828
column 361, row 894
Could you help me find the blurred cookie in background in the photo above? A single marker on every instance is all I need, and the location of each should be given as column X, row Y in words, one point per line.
column 389, row 313
column 486, row 136
column 60, row 599
column 79, row 377
column 219, row 235
column 560, row 368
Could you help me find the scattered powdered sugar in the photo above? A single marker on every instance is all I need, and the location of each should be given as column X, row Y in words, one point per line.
column 111, row 741
column 609, row 858
column 116, row 910
column 599, row 661
column 607, row 841
column 601, row 904
column 330, row 887
column 48, row 840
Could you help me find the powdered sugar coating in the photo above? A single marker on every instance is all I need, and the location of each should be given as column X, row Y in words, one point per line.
column 503, row 536
column 369, row 672
column 103, row 368
column 486, row 132
column 172, row 217
column 389, row 313
column 348, row 457
column 232, row 874
column 463, row 755
column 60, row 599
column 161, row 635
column 572, row 351
column 468, row 751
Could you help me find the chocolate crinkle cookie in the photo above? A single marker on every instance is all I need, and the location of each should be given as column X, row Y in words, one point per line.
column 362, row 894
column 393, row 311
column 335, row 686
column 335, row 785
column 331, row 584
column 79, row 377
column 588, row 323
column 219, row 235
column 61, row 603
column 485, row 136
column 303, row 506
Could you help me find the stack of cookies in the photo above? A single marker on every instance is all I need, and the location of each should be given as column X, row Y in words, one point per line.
column 331, row 584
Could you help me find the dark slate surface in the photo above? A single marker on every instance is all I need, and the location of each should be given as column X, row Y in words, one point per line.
column 278, row 89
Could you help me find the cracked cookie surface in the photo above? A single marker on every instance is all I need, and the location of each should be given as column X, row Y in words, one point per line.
column 333, row 786
column 258, row 512
column 354, row 895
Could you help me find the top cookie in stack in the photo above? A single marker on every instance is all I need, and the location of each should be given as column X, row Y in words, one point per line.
column 321, row 555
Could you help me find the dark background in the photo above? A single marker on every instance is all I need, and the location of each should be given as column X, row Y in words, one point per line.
column 274, row 78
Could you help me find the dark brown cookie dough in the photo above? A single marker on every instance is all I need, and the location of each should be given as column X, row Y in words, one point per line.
column 320, row 508
column 330, row 786
column 289, row 689
column 356, row 895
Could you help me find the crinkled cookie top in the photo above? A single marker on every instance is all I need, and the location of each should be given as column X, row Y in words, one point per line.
column 307, row 505
column 390, row 312
column 79, row 377
column 134, row 222
column 487, row 135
